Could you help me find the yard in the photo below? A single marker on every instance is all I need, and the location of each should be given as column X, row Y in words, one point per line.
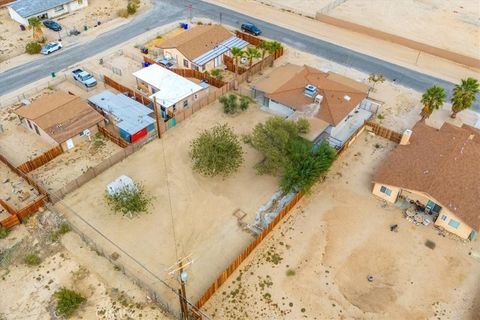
column 191, row 214
column 15, row 190
column 315, row 264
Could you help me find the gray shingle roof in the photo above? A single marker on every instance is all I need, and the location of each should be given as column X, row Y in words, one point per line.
column 28, row 8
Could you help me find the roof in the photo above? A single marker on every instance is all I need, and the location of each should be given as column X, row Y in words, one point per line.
column 130, row 115
column 172, row 87
column 220, row 49
column 61, row 115
column 197, row 40
column 442, row 163
column 286, row 85
column 28, row 8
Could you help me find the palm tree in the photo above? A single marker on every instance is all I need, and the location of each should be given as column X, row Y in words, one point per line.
column 432, row 100
column 272, row 48
column 251, row 53
column 464, row 95
column 35, row 24
column 263, row 47
column 375, row 78
column 237, row 54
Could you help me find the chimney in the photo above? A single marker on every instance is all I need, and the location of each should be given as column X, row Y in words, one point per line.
column 406, row 137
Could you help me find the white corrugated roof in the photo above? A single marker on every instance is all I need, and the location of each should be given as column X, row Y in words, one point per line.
column 223, row 47
column 172, row 88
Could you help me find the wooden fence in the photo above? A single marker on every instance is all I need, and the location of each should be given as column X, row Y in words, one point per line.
column 190, row 73
column 143, row 99
column 5, row 2
column 41, row 159
column 383, row 132
column 238, row 261
column 110, row 136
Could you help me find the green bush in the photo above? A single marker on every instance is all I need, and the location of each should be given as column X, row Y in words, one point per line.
column 68, row 301
column 132, row 8
column 217, row 73
column 229, row 103
column 61, row 230
column 33, row 47
column 244, row 103
column 4, row 232
column 216, row 151
column 130, row 201
column 32, row 259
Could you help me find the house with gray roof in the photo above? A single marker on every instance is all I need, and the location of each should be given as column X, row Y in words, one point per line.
column 22, row 10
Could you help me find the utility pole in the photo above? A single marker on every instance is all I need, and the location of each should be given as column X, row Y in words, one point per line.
column 220, row 14
column 183, row 281
column 155, row 109
column 189, row 8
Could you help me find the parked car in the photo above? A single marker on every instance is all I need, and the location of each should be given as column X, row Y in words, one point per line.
column 84, row 78
column 51, row 47
column 52, row 25
column 251, row 28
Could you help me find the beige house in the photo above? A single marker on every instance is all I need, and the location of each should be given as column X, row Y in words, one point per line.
column 22, row 10
column 438, row 169
column 334, row 105
column 201, row 48
column 60, row 118
column 170, row 91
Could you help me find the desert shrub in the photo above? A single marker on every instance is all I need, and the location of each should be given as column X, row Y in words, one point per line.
column 32, row 259
column 136, row 2
column 58, row 232
column 305, row 166
column 33, row 47
column 244, row 103
column 290, row 272
column 132, row 8
column 4, row 232
column 217, row 73
column 216, row 151
column 130, row 201
column 122, row 13
column 68, row 301
column 272, row 139
column 230, row 103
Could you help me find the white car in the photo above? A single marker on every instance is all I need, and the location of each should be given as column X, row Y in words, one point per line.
column 51, row 47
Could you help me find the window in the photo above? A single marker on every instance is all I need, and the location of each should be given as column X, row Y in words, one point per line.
column 195, row 96
column 58, row 8
column 185, row 63
column 29, row 124
column 385, row 190
column 203, row 68
column 36, row 129
column 195, row 67
column 444, row 217
column 185, row 103
column 453, row 223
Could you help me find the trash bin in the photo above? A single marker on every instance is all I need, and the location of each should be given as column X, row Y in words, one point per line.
column 53, row 74
column 22, row 27
column 185, row 26
column 85, row 28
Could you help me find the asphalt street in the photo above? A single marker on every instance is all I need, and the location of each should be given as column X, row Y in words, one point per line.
column 166, row 11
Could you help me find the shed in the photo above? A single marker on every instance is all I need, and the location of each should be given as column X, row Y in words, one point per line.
column 132, row 118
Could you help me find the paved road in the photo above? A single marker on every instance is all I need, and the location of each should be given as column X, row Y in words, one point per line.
column 166, row 11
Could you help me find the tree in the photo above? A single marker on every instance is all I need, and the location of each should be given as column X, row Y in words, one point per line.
column 217, row 73
column 272, row 48
column 263, row 47
column 35, row 24
column 251, row 53
column 244, row 103
column 130, row 200
column 33, row 48
column 306, row 166
column 216, row 151
column 432, row 100
column 68, row 301
column 237, row 54
column 464, row 95
column 229, row 103
column 375, row 78
column 272, row 139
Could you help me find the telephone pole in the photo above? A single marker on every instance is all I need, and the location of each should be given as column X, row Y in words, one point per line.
column 183, row 281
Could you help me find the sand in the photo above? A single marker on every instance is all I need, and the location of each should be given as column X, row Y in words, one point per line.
column 27, row 291
column 15, row 190
column 315, row 264
column 201, row 208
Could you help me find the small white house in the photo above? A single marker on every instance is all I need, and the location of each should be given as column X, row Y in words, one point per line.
column 120, row 183
column 22, row 10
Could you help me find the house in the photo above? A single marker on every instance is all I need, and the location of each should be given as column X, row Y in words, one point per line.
column 132, row 119
column 171, row 91
column 438, row 169
column 22, row 10
column 338, row 103
column 201, row 48
column 60, row 118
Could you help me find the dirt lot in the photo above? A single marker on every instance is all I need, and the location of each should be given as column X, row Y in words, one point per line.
column 201, row 208
column 72, row 164
column 14, row 189
column 315, row 264
column 14, row 40
column 27, row 290
column 436, row 22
